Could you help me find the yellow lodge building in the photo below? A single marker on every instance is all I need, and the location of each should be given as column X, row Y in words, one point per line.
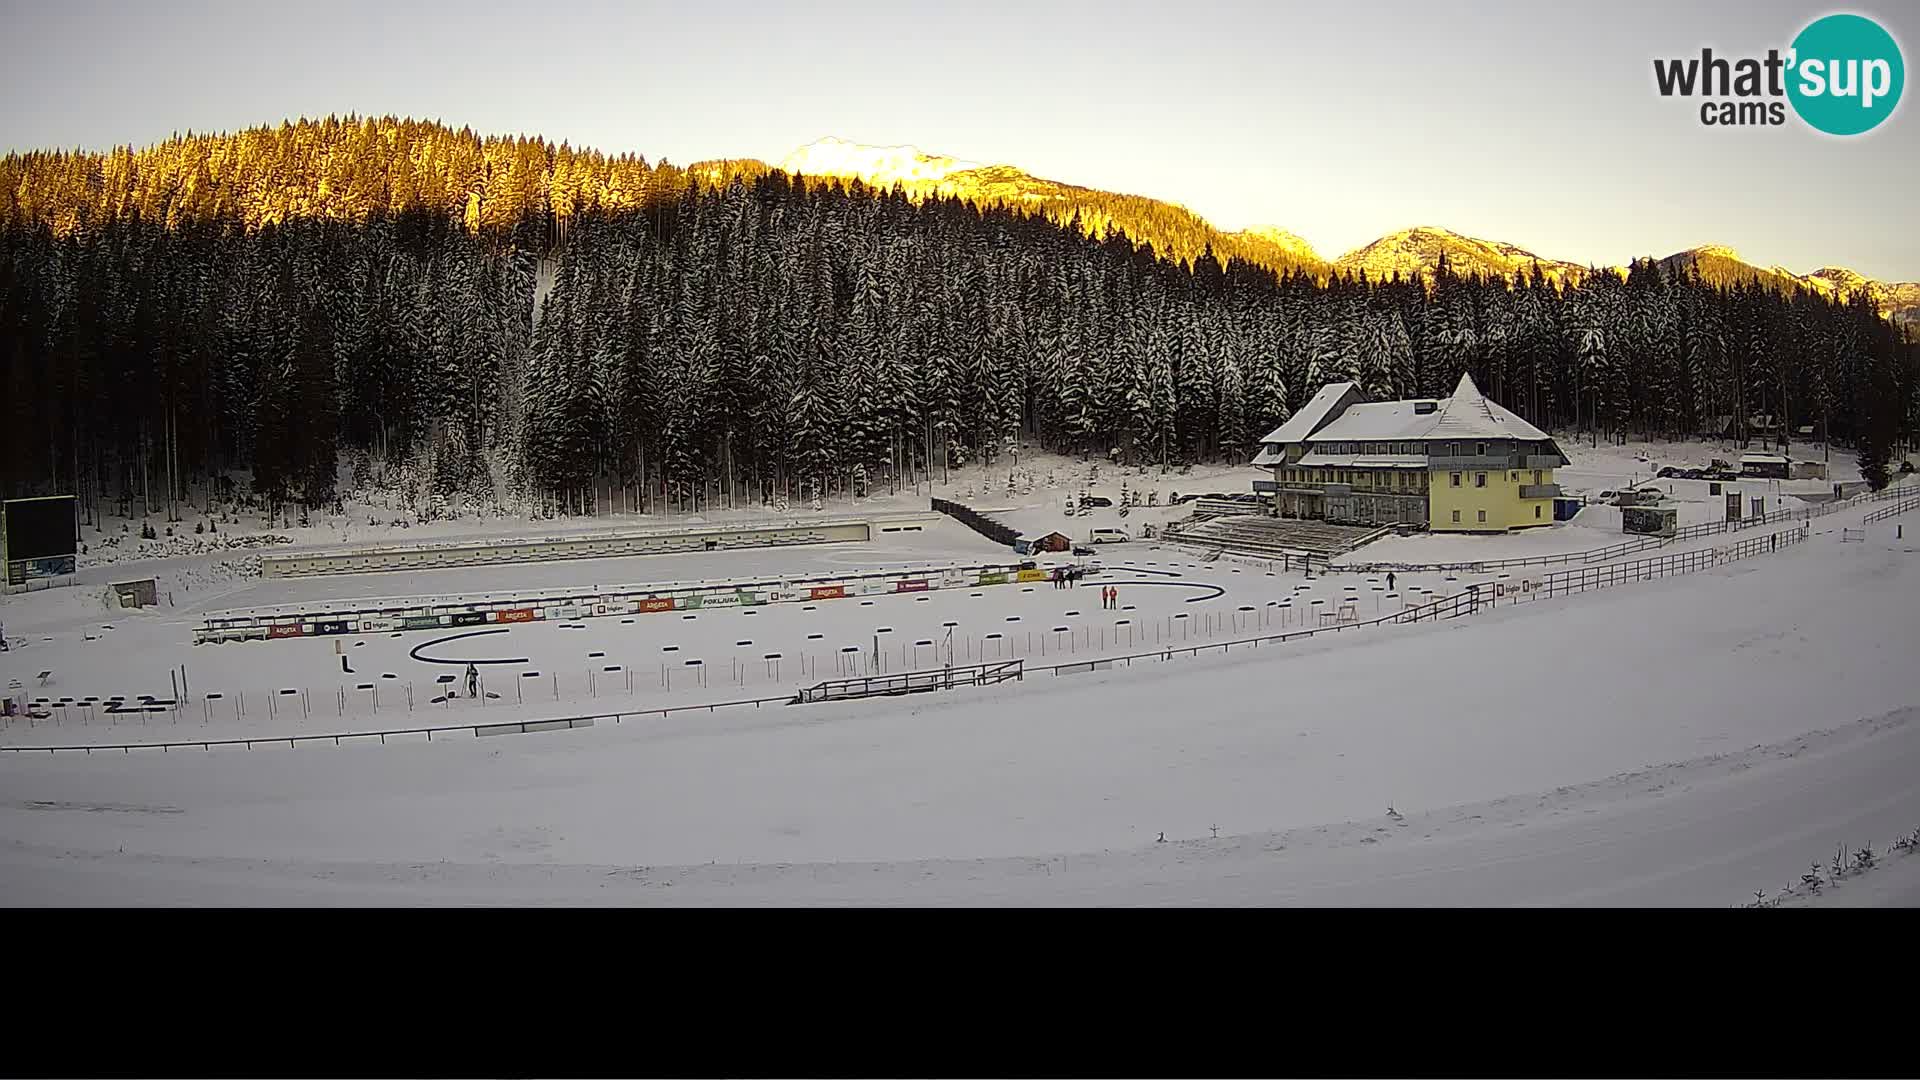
column 1456, row 464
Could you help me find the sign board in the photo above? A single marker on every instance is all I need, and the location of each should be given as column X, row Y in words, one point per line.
column 419, row 622
column 910, row 586
column 516, row 615
column 1033, row 575
column 284, row 630
column 657, row 603
column 332, row 626
column 827, row 592
column 1266, row 487
column 39, row 538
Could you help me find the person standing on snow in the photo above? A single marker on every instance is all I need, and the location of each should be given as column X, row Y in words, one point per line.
column 473, row 681
column 1389, row 581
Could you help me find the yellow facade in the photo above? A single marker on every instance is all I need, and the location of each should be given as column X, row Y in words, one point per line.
column 1486, row 500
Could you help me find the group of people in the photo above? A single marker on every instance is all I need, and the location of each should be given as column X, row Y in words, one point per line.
column 1065, row 576
column 1110, row 597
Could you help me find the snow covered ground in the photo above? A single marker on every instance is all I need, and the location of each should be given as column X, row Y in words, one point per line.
column 1681, row 741
column 1167, row 599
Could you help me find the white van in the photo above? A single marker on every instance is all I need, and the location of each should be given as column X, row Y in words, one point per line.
column 1108, row 536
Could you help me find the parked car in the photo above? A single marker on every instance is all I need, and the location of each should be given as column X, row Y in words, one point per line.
column 1096, row 500
column 1078, row 550
column 1108, row 536
column 1668, row 473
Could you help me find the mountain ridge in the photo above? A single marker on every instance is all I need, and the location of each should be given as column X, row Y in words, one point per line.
column 1414, row 249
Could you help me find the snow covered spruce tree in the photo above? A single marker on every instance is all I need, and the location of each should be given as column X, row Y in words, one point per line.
column 506, row 320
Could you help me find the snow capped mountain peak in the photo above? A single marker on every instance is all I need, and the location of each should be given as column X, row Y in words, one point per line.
column 1283, row 239
column 1418, row 248
column 1842, row 278
column 880, row 166
column 1721, row 251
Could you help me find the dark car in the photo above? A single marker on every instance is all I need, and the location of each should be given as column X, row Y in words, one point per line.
column 1668, row 473
column 1096, row 500
column 1083, row 551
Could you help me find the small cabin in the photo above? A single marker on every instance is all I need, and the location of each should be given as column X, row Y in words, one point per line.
column 1649, row 520
column 1053, row 541
column 137, row 594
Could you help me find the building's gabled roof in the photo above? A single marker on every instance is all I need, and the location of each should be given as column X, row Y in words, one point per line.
column 1468, row 414
column 1465, row 415
column 1314, row 414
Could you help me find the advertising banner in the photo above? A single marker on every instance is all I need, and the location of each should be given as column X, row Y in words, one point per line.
column 657, row 603
column 332, row 626
column 21, row 571
column 419, row 622
column 747, row 599
column 720, row 600
column 284, row 630
column 1033, row 575
column 992, row 579
column 827, row 592
column 516, row 615
column 910, row 586
column 467, row 618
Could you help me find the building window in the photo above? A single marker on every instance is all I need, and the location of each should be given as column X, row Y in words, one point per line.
column 1536, row 511
column 1536, row 476
column 1456, row 479
column 1479, row 449
column 1456, row 517
column 1483, row 515
column 1479, row 479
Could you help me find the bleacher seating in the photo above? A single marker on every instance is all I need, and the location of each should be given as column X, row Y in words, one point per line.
column 978, row 522
column 1258, row 534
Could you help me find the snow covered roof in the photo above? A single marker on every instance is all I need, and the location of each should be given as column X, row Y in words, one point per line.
column 1465, row 415
column 1771, row 459
column 1376, row 420
column 1313, row 414
column 1469, row 414
column 1336, row 415
column 1269, row 455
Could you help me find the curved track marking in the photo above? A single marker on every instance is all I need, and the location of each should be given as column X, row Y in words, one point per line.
column 415, row 651
column 1218, row 591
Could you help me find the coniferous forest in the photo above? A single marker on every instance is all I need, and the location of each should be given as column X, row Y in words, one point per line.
column 505, row 322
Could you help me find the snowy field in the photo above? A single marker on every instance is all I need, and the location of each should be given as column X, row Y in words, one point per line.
column 1683, row 741
column 1679, row 741
column 664, row 659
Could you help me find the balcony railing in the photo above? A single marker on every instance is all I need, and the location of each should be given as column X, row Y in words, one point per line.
column 1472, row 462
column 1539, row 491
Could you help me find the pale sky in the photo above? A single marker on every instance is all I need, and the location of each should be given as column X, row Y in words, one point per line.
column 1532, row 123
